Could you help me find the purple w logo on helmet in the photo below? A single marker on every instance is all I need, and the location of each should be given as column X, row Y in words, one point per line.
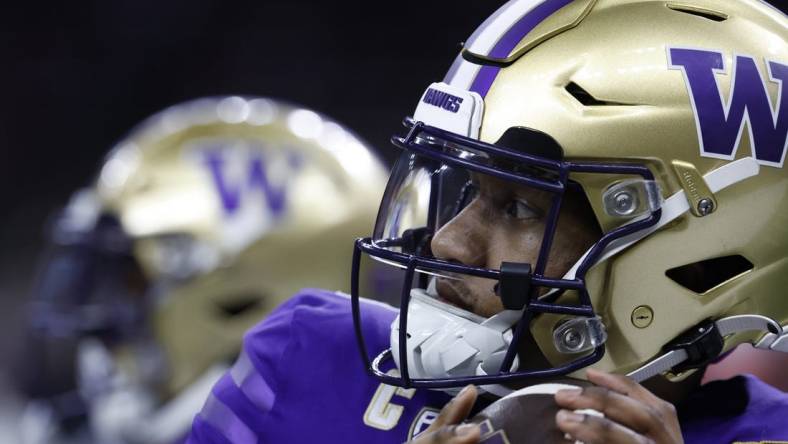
column 719, row 123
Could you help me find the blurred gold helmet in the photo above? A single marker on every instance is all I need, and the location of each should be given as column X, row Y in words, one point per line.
column 201, row 221
column 670, row 119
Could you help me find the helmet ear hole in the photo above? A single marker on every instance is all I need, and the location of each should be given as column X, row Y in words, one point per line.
column 704, row 275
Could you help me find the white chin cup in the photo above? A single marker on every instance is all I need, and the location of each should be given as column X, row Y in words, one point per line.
column 445, row 341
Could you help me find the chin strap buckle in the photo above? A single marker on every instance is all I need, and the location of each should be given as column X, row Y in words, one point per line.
column 514, row 285
column 702, row 344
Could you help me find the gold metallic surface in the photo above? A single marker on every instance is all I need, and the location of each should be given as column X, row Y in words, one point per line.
column 609, row 55
column 694, row 187
column 154, row 182
column 642, row 316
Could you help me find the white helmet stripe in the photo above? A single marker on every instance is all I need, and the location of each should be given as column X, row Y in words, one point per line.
column 497, row 36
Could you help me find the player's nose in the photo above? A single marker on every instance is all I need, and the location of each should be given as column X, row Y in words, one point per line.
column 463, row 239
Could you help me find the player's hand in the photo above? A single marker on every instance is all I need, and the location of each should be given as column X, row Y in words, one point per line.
column 447, row 429
column 632, row 413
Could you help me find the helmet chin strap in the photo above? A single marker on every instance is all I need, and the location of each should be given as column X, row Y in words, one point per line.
column 702, row 344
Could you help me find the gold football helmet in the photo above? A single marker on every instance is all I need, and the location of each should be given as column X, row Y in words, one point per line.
column 200, row 222
column 668, row 119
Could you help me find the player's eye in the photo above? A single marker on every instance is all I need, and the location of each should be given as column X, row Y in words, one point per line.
column 520, row 209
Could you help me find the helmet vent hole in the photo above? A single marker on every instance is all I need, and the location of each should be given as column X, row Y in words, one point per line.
column 585, row 98
column 707, row 14
column 239, row 306
column 705, row 275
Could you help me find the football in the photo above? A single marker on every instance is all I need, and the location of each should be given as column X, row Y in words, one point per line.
column 526, row 416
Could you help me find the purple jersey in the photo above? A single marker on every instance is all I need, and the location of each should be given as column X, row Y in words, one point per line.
column 742, row 409
column 300, row 379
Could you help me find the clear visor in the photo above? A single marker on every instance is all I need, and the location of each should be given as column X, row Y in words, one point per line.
column 461, row 215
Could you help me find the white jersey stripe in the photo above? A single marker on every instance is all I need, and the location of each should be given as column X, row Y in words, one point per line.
column 225, row 421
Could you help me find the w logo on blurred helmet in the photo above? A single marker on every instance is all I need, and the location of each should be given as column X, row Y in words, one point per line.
column 720, row 123
column 249, row 174
column 251, row 182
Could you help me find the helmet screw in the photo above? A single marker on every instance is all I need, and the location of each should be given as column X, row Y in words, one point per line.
column 624, row 203
column 572, row 339
column 642, row 316
column 705, row 206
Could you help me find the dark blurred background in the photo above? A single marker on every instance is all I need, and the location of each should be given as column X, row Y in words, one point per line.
column 77, row 75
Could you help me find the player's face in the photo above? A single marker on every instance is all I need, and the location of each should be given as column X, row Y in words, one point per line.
column 505, row 222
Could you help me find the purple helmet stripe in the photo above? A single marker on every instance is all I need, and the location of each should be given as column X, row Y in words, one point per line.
column 525, row 25
column 511, row 38
column 484, row 79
